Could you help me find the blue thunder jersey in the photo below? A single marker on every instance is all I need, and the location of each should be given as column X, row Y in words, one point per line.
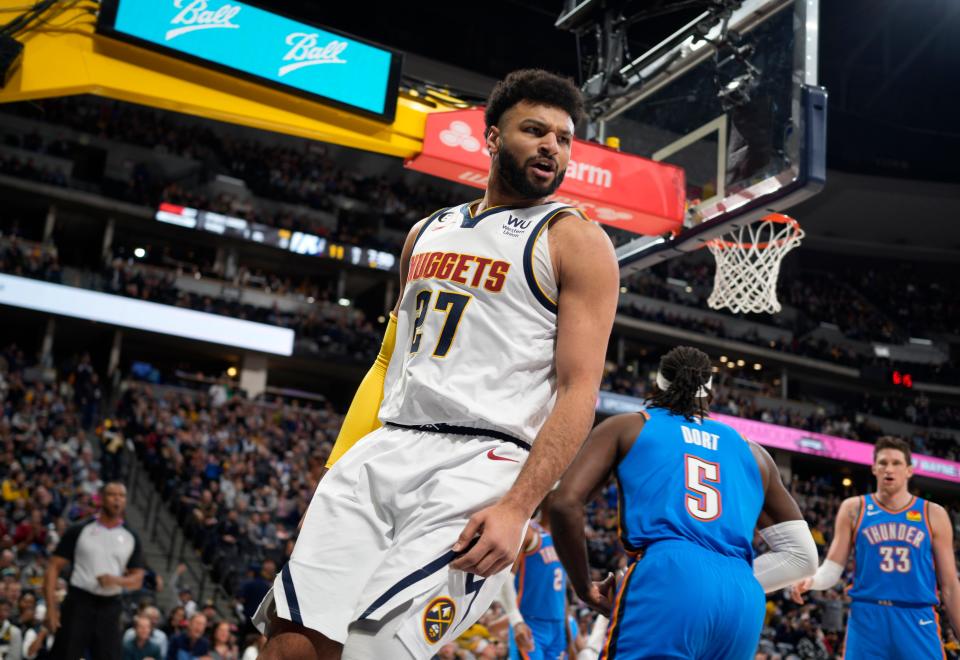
column 687, row 480
column 541, row 581
column 894, row 555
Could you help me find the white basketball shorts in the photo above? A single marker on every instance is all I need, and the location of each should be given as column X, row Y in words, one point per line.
column 378, row 535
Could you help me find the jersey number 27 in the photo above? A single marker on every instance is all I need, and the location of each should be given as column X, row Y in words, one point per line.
column 702, row 500
column 452, row 304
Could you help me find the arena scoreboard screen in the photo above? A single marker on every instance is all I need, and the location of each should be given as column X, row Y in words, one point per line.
column 298, row 242
column 267, row 48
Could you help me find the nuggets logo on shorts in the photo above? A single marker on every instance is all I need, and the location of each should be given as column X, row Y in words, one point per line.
column 437, row 618
column 914, row 516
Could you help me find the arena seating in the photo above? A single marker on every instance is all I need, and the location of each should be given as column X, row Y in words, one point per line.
column 237, row 473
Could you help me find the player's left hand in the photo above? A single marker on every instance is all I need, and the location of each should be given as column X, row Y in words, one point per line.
column 523, row 636
column 500, row 529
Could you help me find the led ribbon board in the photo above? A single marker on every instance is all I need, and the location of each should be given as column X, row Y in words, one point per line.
column 144, row 315
column 796, row 440
column 297, row 242
column 241, row 39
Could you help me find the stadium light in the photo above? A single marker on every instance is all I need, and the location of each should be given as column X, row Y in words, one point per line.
column 139, row 253
column 232, row 372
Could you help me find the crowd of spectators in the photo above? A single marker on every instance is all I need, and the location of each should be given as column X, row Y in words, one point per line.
column 33, row 261
column 24, row 167
column 919, row 298
column 931, row 434
column 807, row 346
column 327, row 329
column 362, row 234
column 303, row 174
column 58, row 450
column 238, row 475
column 866, row 302
column 843, row 298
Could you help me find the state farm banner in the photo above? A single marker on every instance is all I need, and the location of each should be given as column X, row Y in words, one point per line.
column 617, row 189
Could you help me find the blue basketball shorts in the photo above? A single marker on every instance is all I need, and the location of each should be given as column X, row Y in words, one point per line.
column 549, row 640
column 897, row 633
column 684, row 601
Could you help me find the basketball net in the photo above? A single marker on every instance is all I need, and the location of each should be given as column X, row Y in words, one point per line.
column 748, row 264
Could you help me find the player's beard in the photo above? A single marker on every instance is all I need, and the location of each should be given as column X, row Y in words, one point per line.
column 514, row 174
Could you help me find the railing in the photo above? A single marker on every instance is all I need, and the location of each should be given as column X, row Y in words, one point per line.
column 161, row 530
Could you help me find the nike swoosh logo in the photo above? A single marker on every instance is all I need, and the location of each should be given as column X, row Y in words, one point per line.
column 494, row 457
column 925, row 622
column 872, row 513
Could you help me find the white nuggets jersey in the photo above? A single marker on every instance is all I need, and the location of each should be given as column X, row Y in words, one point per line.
column 476, row 332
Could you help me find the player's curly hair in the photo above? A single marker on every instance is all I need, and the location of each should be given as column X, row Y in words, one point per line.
column 688, row 369
column 536, row 86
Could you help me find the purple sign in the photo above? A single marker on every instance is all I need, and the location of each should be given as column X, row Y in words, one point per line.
column 828, row 446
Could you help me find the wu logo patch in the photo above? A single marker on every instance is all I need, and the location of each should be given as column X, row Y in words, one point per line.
column 437, row 618
column 515, row 226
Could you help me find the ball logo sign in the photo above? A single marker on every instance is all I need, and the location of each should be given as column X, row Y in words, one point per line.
column 306, row 52
column 197, row 16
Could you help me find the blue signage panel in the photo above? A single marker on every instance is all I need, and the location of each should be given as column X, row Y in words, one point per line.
column 271, row 48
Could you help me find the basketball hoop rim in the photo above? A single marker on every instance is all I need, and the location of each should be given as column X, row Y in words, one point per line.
column 777, row 218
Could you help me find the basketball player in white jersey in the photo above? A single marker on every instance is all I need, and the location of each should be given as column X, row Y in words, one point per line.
column 505, row 309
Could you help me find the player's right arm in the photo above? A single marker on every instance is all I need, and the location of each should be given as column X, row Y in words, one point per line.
column 363, row 415
column 832, row 568
column 589, row 284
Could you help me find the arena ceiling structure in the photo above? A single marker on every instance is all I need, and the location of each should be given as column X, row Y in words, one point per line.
column 890, row 68
column 886, row 131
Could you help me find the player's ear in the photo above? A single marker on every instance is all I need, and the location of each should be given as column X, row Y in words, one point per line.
column 493, row 139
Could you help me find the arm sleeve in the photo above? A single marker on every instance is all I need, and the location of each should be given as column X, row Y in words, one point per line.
column 827, row 575
column 508, row 598
column 136, row 558
column 362, row 418
column 67, row 546
column 792, row 556
column 595, row 641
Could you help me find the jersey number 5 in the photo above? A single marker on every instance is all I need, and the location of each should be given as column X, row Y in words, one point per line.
column 703, row 500
column 448, row 302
